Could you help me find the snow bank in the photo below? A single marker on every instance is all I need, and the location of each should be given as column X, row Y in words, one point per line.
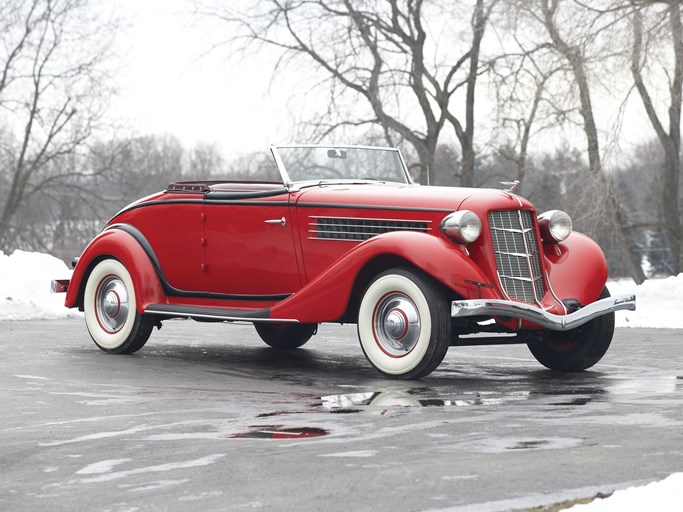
column 658, row 303
column 25, row 286
column 662, row 496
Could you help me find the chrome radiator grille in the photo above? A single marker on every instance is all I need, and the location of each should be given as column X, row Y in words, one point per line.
column 347, row 228
column 517, row 258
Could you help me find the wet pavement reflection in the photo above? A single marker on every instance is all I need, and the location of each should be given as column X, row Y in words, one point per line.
column 207, row 413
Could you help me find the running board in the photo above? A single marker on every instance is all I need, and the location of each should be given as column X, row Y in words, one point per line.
column 226, row 314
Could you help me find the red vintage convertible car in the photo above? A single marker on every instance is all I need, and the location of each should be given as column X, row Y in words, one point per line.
column 346, row 236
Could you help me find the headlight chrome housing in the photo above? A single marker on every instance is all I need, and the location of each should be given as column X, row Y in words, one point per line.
column 555, row 225
column 463, row 226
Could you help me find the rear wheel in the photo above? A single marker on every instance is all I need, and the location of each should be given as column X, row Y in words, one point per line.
column 404, row 324
column 109, row 305
column 285, row 335
column 578, row 349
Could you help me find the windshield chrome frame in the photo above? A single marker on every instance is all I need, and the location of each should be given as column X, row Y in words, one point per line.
column 292, row 185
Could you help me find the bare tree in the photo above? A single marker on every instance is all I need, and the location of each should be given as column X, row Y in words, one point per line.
column 384, row 55
column 665, row 25
column 51, row 82
column 574, row 52
column 529, row 93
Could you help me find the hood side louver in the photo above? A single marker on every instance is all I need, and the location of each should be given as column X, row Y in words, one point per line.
column 358, row 229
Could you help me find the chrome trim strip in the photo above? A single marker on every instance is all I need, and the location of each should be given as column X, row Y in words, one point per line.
column 524, row 311
column 367, row 218
column 405, row 168
column 528, row 257
column 496, row 217
column 289, row 185
column 185, row 314
column 550, row 287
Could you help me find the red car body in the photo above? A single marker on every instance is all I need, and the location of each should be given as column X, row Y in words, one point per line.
column 305, row 252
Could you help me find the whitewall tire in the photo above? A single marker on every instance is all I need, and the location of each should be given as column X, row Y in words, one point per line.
column 109, row 304
column 404, row 323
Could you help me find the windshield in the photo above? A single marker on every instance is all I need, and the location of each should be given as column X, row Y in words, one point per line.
column 320, row 163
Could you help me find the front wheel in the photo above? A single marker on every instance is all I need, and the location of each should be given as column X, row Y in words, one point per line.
column 578, row 349
column 284, row 336
column 109, row 305
column 404, row 324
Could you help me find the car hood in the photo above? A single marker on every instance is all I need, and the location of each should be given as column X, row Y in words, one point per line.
column 411, row 197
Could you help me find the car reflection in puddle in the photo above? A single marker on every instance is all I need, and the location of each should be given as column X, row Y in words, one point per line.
column 279, row 432
column 385, row 401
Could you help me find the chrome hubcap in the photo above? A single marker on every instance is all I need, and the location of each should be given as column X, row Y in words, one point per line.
column 396, row 324
column 112, row 304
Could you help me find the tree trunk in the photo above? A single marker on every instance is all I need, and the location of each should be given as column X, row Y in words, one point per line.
column 575, row 59
column 670, row 207
column 467, row 164
column 671, row 141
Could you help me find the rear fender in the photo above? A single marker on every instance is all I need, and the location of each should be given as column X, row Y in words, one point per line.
column 117, row 244
column 326, row 297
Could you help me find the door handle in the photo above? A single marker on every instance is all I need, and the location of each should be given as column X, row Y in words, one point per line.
column 282, row 221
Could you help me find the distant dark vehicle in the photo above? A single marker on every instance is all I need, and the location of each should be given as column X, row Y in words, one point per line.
column 346, row 236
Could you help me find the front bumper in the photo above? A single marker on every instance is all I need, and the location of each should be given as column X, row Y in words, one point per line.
column 511, row 309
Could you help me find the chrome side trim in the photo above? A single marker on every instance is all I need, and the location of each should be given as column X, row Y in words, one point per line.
column 523, row 311
column 216, row 316
column 550, row 287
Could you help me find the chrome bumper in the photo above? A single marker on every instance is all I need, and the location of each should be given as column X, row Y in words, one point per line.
column 508, row 308
column 59, row 285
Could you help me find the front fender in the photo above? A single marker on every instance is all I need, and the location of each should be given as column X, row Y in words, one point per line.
column 326, row 297
column 115, row 243
column 577, row 268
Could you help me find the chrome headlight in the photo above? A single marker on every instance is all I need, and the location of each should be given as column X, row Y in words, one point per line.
column 463, row 226
column 555, row 226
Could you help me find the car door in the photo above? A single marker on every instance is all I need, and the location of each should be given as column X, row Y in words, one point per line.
column 249, row 247
column 173, row 229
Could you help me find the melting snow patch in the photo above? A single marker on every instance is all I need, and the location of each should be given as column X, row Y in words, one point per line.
column 357, row 454
column 98, row 468
column 25, row 286
column 171, row 466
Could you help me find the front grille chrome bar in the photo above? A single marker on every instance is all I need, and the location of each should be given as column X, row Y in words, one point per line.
column 518, row 260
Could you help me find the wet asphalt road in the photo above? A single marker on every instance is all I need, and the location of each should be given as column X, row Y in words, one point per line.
column 199, row 419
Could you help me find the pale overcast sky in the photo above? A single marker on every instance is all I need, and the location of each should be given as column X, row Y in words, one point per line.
column 166, row 86
column 169, row 85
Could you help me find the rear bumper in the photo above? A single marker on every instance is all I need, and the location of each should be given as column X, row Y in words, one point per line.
column 59, row 285
column 511, row 309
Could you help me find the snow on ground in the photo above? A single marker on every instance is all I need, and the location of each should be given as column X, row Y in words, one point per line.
column 662, row 496
column 25, row 294
column 658, row 302
column 25, row 287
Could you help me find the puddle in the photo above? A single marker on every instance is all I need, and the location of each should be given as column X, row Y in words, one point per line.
column 279, row 413
column 503, row 445
column 280, row 432
column 412, row 398
column 574, row 401
column 528, row 445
